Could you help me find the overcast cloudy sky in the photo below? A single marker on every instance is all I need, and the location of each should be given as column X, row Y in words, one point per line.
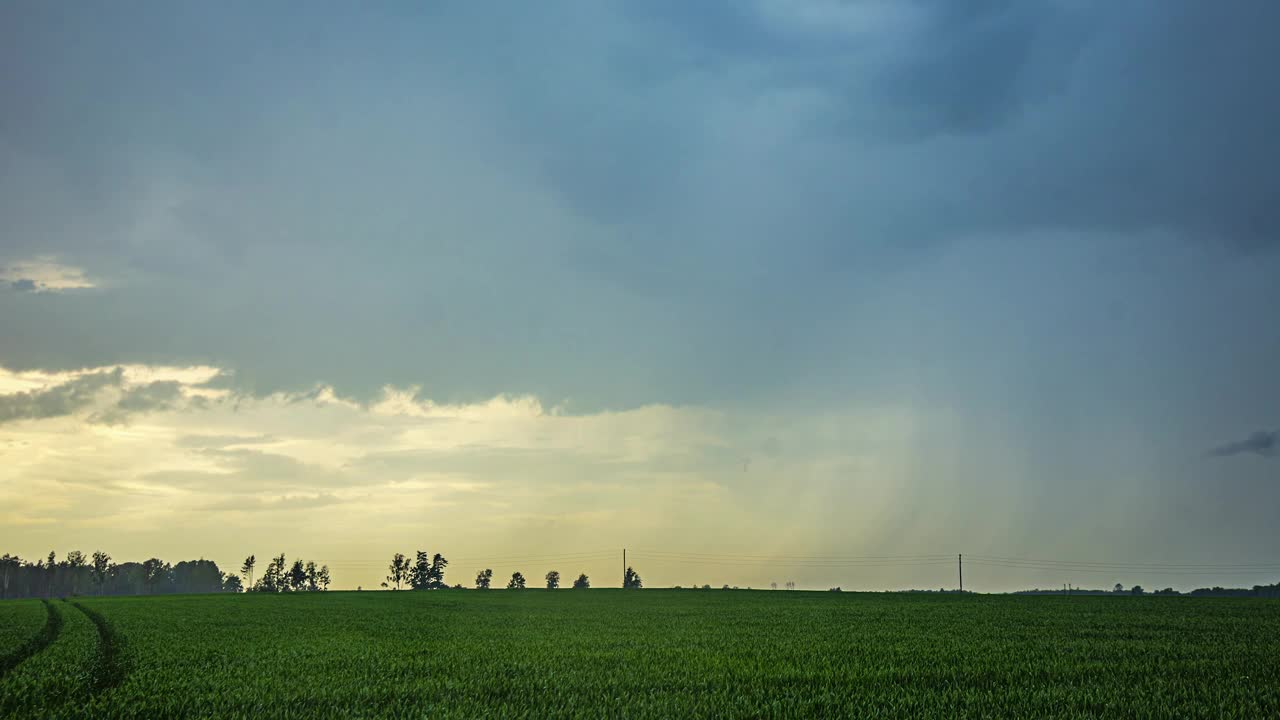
column 753, row 278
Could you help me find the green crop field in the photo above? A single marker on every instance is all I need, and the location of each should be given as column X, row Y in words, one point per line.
column 651, row 653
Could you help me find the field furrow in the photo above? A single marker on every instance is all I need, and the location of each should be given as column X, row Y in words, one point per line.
column 52, row 683
column 109, row 663
column 26, row 628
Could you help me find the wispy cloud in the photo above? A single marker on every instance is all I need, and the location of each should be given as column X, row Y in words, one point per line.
column 1262, row 442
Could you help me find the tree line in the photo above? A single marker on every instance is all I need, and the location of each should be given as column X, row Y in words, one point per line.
column 97, row 574
column 426, row 572
column 1262, row 591
column 279, row 576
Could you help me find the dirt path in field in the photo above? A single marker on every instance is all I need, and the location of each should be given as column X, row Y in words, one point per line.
column 41, row 640
column 109, row 668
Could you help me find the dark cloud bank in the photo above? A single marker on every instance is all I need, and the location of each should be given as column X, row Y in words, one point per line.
column 737, row 174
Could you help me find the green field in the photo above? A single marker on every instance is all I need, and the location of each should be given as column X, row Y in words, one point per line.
column 650, row 653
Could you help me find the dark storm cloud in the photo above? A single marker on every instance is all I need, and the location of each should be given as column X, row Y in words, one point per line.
column 907, row 70
column 24, row 285
column 1011, row 115
column 1262, row 442
column 627, row 203
column 59, row 400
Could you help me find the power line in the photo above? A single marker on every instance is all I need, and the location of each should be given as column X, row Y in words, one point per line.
column 791, row 564
column 1159, row 572
column 853, row 558
column 569, row 557
column 1124, row 565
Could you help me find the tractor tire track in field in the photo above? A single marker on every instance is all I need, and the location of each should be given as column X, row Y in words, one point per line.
column 109, row 667
column 41, row 640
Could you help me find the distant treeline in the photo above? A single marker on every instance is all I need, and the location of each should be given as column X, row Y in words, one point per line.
column 78, row 574
column 1263, row 591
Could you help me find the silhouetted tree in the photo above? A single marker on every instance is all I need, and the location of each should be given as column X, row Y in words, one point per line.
column 247, row 569
column 517, row 581
column 428, row 572
column 582, row 583
column 553, row 580
column 1118, row 588
column 438, row 564
column 126, row 579
column 1136, row 590
column 298, row 576
column 9, row 567
column 274, row 576
column 99, row 569
column 50, row 569
column 277, row 568
column 231, row 583
column 196, row 576
column 420, row 574
column 631, row 580
column 76, row 564
column 154, row 572
column 400, row 570
column 483, row 579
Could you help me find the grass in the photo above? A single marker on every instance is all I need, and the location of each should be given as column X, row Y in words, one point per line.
column 666, row 654
column 57, row 679
column 24, row 629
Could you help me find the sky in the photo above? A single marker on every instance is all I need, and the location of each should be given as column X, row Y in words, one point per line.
column 768, row 290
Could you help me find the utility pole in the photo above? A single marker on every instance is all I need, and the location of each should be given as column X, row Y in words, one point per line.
column 960, row 567
column 624, row 568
